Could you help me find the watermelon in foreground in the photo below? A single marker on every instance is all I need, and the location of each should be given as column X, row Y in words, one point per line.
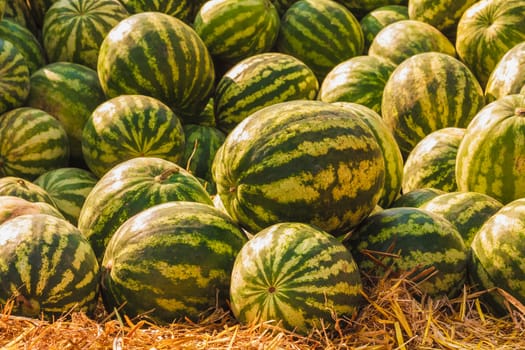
column 296, row 274
column 178, row 254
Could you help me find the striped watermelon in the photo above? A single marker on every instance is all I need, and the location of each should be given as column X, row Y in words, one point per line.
column 69, row 188
column 47, row 267
column 259, row 81
column 74, row 29
column 18, row 187
column 496, row 258
column 491, row 156
column 25, row 41
column 19, row 11
column 428, row 92
column 33, row 142
column 303, row 161
column 391, row 154
column 411, row 239
column 155, row 54
column 182, row 9
column 361, row 7
column 486, row 31
column 360, row 79
column 69, row 92
column 321, row 33
column 129, row 126
column 468, row 211
column 416, row 198
column 297, row 275
column 11, row 207
column 14, row 77
column 179, row 254
column 508, row 77
column 378, row 18
column 432, row 162
column 444, row 15
column 237, row 29
column 403, row 39
column 129, row 188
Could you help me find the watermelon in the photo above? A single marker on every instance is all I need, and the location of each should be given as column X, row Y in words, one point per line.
column 432, row 162
column 47, row 267
column 416, row 198
column 25, row 41
column 300, row 161
column 360, row 79
column 74, row 29
column 129, row 188
column 496, row 258
column 14, row 77
column 259, row 81
column 486, row 31
column 297, row 275
column 181, row 9
column 68, row 187
column 409, row 239
column 179, row 254
column 321, row 33
column 19, row 11
column 129, row 126
column 69, row 92
column 378, row 18
column 11, row 207
column 508, row 77
column 427, row 92
column 155, row 54
column 237, row 29
column 33, row 142
column 391, row 154
column 403, row 39
column 19, row 187
column 491, row 157
column 468, row 211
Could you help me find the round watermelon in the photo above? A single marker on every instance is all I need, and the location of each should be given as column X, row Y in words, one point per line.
column 508, row 77
column 379, row 18
column 11, row 207
column 14, row 77
column 19, row 187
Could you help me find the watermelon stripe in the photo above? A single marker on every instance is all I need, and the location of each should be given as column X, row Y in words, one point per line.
column 182, row 9
column 14, row 77
column 25, row 41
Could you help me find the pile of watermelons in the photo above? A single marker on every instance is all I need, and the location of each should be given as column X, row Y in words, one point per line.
column 167, row 157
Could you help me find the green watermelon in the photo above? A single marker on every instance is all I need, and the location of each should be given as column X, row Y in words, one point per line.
column 11, row 207
column 408, row 239
column 74, row 29
column 432, row 162
column 361, row 7
column 300, row 161
column 508, row 77
column 486, row 31
column 47, row 267
column 378, row 18
column 129, row 126
column 491, row 156
column 427, row 92
column 403, row 39
column 178, row 254
column 155, row 54
column 297, row 275
column 33, row 142
column 237, row 29
column 360, row 79
column 19, row 11
column 19, row 187
column 181, row 9
column 69, row 92
column 129, row 188
column 14, row 77
column 468, row 211
column 68, row 187
column 259, row 81
column 321, row 33
column 416, row 198
column 496, row 258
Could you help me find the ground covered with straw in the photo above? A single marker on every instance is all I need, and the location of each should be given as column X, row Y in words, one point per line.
column 396, row 316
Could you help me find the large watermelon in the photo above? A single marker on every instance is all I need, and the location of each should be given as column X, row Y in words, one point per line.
column 297, row 275
column 129, row 188
column 47, row 266
column 14, row 77
column 427, row 92
column 155, row 54
column 491, row 156
column 508, row 76
column 171, row 261
column 303, row 161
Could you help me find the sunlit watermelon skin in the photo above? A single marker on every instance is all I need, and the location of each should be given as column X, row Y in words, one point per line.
column 508, row 76
column 12, row 206
column 297, row 275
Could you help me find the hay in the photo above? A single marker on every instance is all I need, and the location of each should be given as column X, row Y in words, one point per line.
column 396, row 316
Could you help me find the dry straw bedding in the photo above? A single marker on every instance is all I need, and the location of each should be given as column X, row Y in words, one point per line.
column 396, row 316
